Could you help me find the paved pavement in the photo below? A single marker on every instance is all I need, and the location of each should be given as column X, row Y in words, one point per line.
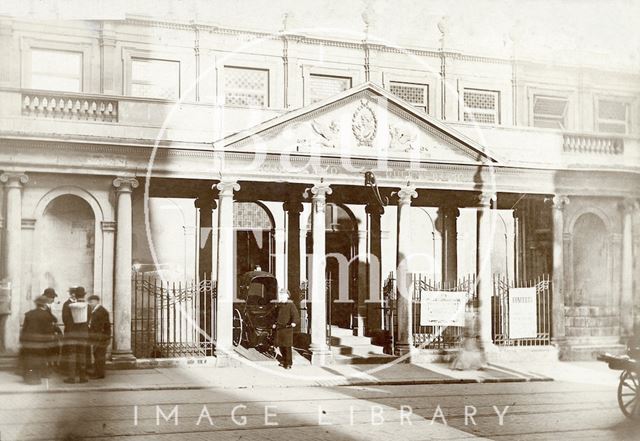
column 267, row 375
column 581, row 405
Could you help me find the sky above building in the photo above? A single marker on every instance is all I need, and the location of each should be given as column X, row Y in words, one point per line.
column 578, row 32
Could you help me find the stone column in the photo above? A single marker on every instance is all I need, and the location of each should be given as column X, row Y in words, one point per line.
column 484, row 270
column 13, row 257
column 628, row 208
column 122, row 287
column 320, row 353
column 404, row 295
column 519, row 244
column 558, row 293
column 293, row 209
column 374, row 267
column 205, row 205
column 108, row 246
column 226, row 263
column 359, row 324
column 449, row 217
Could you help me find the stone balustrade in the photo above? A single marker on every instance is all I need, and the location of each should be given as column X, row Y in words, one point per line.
column 575, row 143
column 69, row 106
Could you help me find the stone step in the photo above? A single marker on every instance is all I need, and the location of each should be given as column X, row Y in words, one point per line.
column 360, row 350
column 591, row 351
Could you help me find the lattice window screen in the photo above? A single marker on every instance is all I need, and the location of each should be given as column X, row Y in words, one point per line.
column 613, row 116
column 416, row 94
column 325, row 86
column 482, row 106
column 155, row 78
column 549, row 112
column 246, row 86
column 249, row 216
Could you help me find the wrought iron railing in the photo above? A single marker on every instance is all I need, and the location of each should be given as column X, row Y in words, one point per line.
column 172, row 319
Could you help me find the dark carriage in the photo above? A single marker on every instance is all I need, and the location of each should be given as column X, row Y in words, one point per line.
column 629, row 385
column 253, row 313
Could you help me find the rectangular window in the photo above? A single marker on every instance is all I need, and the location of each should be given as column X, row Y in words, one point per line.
column 56, row 70
column 325, row 86
column 246, row 86
column 152, row 78
column 613, row 116
column 482, row 106
column 415, row 94
column 550, row 112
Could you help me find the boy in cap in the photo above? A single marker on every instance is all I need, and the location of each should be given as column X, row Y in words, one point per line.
column 37, row 337
column 99, row 335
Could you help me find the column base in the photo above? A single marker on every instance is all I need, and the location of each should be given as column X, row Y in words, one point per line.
column 123, row 360
column 405, row 350
column 321, row 356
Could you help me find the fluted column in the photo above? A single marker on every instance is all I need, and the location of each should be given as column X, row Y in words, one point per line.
column 320, row 353
column 226, row 262
column 122, row 287
column 628, row 208
column 13, row 256
column 404, row 303
column 557, row 300
column 484, row 269
column 293, row 209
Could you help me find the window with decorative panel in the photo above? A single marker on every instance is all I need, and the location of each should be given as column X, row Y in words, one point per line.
column 325, row 86
column 481, row 106
column 245, row 86
column 56, row 70
column 152, row 78
column 550, row 112
column 413, row 93
column 612, row 116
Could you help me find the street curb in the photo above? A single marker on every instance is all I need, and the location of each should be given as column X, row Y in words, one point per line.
column 327, row 383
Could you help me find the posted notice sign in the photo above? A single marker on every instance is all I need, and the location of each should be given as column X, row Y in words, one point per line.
column 523, row 317
column 442, row 308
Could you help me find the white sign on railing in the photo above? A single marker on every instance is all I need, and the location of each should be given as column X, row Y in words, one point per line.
column 523, row 317
column 442, row 308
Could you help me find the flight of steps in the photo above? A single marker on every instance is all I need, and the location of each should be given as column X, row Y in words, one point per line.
column 350, row 349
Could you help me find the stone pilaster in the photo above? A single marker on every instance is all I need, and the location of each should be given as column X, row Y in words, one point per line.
column 558, row 288
column 449, row 231
column 205, row 205
column 628, row 208
column 484, row 270
column 293, row 209
column 374, row 268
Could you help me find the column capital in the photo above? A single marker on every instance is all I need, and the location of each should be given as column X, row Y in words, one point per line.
column 226, row 187
column 293, row 206
column 628, row 205
column 125, row 184
column 450, row 210
column 14, row 179
column 558, row 201
column 374, row 209
column 486, row 198
column 205, row 202
column 406, row 193
column 319, row 190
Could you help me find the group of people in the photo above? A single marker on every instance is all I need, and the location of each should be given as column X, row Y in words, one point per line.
column 79, row 351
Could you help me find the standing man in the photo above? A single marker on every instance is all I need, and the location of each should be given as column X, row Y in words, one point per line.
column 54, row 352
column 287, row 318
column 67, row 321
column 76, row 337
column 99, row 335
column 36, row 338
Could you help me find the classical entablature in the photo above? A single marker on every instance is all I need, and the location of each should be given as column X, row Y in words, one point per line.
column 363, row 122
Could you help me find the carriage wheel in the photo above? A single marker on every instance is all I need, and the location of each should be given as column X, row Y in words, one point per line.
column 629, row 394
column 238, row 326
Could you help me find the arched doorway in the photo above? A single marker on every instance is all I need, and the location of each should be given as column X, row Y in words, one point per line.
column 254, row 229
column 66, row 235
column 342, row 269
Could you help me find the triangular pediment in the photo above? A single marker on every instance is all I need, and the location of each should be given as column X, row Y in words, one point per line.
column 365, row 121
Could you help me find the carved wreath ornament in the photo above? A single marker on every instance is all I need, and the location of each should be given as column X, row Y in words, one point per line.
column 364, row 124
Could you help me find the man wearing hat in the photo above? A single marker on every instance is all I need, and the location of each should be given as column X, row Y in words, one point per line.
column 76, row 336
column 99, row 335
column 54, row 353
column 67, row 321
column 37, row 337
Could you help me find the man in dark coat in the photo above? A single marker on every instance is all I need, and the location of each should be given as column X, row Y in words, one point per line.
column 54, row 352
column 67, row 321
column 36, row 337
column 99, row 335
column 287, row 318
column 76, row 336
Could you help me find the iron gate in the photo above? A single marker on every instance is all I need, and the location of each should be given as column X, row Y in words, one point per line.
column 172, row 319
column 500, row 311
